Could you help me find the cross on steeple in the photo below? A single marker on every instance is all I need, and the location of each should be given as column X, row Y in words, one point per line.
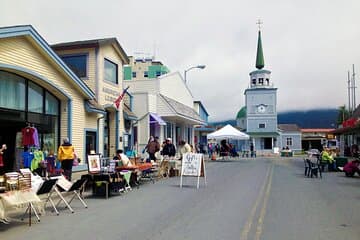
column 259, row 22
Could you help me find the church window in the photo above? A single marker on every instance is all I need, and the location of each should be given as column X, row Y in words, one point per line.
column 261, row 125
column 254, row 81
column 261, row 81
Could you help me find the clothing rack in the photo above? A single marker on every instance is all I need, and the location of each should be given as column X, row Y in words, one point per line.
column 29, row 124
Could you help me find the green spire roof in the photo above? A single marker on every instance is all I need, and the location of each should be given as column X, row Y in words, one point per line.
column 259, row 55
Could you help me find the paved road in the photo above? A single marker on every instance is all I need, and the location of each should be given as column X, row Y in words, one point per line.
column 244, row 199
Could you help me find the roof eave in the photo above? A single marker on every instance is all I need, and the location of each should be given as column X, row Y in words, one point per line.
column 28, row 30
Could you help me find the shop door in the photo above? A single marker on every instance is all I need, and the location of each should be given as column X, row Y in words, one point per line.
column 267, row 143
column 90, row 142
column 8, row 131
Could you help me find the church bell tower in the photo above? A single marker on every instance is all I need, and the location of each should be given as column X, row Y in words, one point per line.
column 260, row 100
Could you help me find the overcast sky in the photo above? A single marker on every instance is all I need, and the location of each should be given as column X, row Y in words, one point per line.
column 308, row 45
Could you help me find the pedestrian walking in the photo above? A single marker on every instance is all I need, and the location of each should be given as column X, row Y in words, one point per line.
column 66, row 157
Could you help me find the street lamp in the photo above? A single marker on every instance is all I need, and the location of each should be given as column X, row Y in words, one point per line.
column 198, row 66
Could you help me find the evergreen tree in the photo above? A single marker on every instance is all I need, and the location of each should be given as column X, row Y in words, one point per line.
column 343, row 115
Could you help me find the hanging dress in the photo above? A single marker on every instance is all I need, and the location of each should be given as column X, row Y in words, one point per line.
column 28, row 136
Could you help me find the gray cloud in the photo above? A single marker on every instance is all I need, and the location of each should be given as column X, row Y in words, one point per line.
column 309, row 45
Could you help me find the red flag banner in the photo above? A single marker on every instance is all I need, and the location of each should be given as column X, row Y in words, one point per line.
column 119, row 99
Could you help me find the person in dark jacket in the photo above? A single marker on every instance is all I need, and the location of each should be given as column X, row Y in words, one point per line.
column 153, row 147
column 169, row 148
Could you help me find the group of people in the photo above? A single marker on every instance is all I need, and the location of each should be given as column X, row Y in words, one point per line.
column 167, row 148
column 327, row 157
column 350, row 168
column 222, row 149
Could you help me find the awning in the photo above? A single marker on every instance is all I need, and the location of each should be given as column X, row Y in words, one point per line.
column 154, row 118
column 94, row 106
column 183, row 111
column 128, row 114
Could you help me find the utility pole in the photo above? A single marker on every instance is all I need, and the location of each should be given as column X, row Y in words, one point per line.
column 349, row 86
column 354, row 87
column 349, row 93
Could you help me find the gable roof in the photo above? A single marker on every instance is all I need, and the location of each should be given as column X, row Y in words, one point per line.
column 93, row 43
column 289, row 127
column 182, row 109
column 318, row 130
column 29, row 31
column 203, row 107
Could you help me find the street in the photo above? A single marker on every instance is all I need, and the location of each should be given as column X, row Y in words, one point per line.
column 244, row 199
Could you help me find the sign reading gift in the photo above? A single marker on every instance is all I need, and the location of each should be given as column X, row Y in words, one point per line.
column 193, row 165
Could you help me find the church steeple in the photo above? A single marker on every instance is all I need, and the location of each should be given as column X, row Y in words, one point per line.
column 259, row 55
column 260, row 78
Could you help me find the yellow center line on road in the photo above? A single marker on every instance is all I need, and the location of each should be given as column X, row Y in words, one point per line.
column 263, row 209
column 247, row 227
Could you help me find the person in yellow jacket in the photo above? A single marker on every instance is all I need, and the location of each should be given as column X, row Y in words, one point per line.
column 66, row 157
column 328, row 158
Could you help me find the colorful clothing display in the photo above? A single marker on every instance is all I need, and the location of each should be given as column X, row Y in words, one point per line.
column 28, row 133
column 50, row 164
column 30, row 136
column 38, row 157
column 36, row 138
column 27, row 159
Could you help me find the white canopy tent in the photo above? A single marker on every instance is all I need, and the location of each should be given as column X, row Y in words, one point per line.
column 228, row 132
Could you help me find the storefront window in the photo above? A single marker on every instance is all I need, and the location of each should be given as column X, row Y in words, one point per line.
column 51, row 104
column 35, row 98
column 14, row 117
column 12, row 91
column 111, row 71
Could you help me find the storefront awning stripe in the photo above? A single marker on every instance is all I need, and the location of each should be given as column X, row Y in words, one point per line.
column 154, row 118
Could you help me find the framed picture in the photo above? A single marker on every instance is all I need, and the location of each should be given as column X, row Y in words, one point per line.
column 94, row 163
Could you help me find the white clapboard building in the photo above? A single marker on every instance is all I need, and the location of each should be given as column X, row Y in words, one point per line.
column 165, row 108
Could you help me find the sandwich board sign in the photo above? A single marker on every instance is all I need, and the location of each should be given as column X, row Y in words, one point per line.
column 193, row 165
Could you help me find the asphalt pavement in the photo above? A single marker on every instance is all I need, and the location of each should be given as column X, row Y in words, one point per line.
column 262, row 198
